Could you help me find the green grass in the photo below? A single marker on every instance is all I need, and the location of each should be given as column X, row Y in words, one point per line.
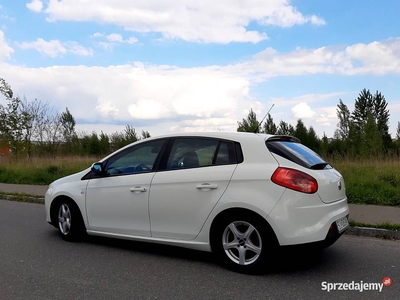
column 373, row 182
column 367, row 182
column 388, row 226
column 41, row 171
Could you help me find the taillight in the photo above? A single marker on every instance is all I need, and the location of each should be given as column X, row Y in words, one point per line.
column 295, row 180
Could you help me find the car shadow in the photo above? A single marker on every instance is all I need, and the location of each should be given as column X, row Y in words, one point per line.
column 283, row 261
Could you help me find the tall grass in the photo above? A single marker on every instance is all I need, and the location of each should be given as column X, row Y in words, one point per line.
column 371, row 181
column 367, row 181
column 41, row 171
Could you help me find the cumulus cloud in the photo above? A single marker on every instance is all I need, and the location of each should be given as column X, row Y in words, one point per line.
column 55, row 48
column 379, row 57
column 205, row 21
column 303, row 111
column 137, row 94
column 113, row 39
column 5, row 49
column 163, row 97
column 35, row 6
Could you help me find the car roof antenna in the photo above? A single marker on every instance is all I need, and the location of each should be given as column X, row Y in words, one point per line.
column 255, row 131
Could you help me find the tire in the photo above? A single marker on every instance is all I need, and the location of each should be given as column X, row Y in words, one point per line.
column 70, row 222
column 244, row 242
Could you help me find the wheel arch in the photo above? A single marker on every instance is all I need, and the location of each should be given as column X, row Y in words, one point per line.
column 54, row 208
column 223, row 215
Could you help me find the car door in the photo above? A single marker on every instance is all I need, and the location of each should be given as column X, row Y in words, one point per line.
column 118, row 201
column 195, row 176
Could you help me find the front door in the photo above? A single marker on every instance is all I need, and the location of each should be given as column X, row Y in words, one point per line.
column 118, row 201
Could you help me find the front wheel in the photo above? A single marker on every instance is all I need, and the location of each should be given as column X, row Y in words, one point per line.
column 70, row 222
column 243, row 243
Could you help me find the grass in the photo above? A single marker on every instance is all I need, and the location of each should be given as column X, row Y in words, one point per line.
column 371, row 182
column 41, row 171
column 367, row 182
column 388, row 226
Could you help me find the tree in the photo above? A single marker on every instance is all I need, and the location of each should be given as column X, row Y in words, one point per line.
column 398, row 131
column 363, row 106
column 13, row 124
column 381, row 116
column 130, row 135
column 145, row 134
column 250, row 124
column 373, row 139
column 343, row 114
column 285, row 128
column 313, row 142
column 68, row 124
column 36, row 114
column 269, row 126
column 5, row 89
column 301, row 132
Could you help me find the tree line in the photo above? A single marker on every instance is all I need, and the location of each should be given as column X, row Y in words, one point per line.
column 360, row 134
column 32, row 128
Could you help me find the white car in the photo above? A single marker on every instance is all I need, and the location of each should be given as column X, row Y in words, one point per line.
column 240, row 195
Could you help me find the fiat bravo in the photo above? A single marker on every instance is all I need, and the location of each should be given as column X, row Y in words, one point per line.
column 239, row 195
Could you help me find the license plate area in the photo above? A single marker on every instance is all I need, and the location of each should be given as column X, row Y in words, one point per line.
column 342, row 224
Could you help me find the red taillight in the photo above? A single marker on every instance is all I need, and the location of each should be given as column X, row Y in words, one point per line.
column 295, row 180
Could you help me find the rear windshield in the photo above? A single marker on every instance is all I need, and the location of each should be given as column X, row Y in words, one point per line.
column 298, row 154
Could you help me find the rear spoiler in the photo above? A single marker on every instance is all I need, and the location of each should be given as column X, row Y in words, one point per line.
column 283, row 138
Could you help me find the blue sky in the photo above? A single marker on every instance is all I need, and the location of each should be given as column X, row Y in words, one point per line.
column 184, row 65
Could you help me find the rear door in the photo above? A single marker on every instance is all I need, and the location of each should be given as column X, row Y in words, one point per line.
column 194, row 177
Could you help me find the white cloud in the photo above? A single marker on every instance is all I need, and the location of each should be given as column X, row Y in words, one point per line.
column 114, row 37
column 35, row 6
column 136, row 94
column 303, row 111
column 162, row 98
column 55, row 48
column 205, row 21
column 107, row 109
column 5, row 49
column 380, row 57
column 132, row 40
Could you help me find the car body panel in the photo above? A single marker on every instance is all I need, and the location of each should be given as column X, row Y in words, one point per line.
column 181, row 200
column 119, row 204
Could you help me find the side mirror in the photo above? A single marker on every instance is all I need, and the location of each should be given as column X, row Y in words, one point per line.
column 97, row 168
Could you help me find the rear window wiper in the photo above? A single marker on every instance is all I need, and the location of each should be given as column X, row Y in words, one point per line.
column 319, row 166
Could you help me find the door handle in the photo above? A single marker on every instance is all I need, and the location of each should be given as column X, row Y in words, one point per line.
column 207, row 186
column 138, row 189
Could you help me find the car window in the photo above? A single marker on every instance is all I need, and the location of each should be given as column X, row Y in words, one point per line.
column 137, row 159
column 192, row 153
column 297, row 153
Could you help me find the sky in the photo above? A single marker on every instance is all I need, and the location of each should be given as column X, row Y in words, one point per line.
column 191, row 65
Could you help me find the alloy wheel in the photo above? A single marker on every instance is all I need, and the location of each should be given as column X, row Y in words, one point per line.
column 64, row 219
column 242, row 242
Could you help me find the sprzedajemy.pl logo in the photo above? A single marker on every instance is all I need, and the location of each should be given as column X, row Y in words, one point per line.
column 356, row 286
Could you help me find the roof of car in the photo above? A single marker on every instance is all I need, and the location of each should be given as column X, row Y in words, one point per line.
column 218, row 134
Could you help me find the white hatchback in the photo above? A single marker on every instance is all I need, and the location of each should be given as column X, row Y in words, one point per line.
column 240, row 195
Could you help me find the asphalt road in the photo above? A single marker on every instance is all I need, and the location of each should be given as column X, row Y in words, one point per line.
column 35, row 263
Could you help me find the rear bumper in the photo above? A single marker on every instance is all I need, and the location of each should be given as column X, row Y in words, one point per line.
column 302, row 220
column 331, row 237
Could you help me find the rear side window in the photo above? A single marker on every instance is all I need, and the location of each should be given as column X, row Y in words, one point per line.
column 199, row 152
column 298, row 154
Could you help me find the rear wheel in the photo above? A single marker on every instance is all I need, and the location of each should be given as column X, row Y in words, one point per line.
column 70, row 222
column 243, row 242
